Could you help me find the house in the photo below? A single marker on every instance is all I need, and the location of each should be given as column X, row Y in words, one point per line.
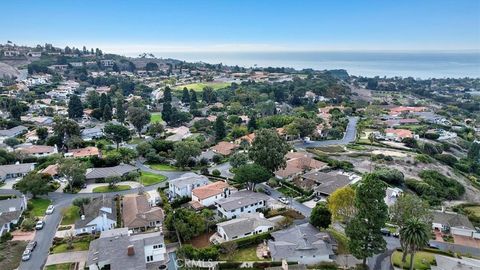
column 102, row 173
column 15, row 170
column 323, row 184
column 183, row 186
column 396, row 111
column 299, row 162
column 247, row 138
column 179, row 134
column 38, row 150
column 207, row 195
column 12, row 132
column 241, row 202
column 397, row 134
column 10, row 212
column 224, row 148
column 89, row 134
column 303, row 243
column 100, row 215
column 139, row 215
column 244, row 226
column 107, row 62
column 83, row 152
column 51, row 170
column 456, row 224
column 117, row 249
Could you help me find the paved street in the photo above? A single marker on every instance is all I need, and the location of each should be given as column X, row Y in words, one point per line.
column 300, row 207
column 350, row 135
column 382, row 261
column 444, row 246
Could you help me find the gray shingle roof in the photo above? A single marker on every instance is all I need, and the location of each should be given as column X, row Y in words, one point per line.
column 8, row 205
column 95, row 208
column 241, row 199
column 451, row 219
column 244, row 224
column 15, row 169
column 13, row 131
column 119, row 170
column 189, row 179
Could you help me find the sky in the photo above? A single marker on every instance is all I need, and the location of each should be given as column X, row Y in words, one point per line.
column 119, row 26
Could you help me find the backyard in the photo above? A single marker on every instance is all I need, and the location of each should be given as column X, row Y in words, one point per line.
column 148, row 178
column 39, row 206
column 247, row 254
column 116, row 188
column 200, row 86
column 70, row 214
column 11, row 254
column 421, row 260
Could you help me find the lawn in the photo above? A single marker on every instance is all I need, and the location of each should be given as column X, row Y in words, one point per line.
column 422, row 260
column 77, row 246
column 11, row 254
column 61, row 266
column 163, row 167
column 70, row 214
column 148, row 178
column 40, row 206
column 156, row 117
column 103, row 189
column 243, row 255
column 200, row 86
column 475, row 210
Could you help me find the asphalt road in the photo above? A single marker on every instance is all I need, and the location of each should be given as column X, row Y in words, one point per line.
column 350, row 135
column 382, row 261
column 300, row 207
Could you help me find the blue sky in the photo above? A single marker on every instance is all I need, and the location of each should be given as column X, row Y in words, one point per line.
column 247, row 25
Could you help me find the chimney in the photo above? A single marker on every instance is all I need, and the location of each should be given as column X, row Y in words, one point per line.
column 130, row 250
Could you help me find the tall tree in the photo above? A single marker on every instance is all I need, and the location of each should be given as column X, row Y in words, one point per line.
column 251, row 175
column 73, row 171
column 321, row 216
column 118, row 133
column 103, row 102
column 75, row 107
column 42, row 133
column 185, row 150
column 107, row 113
column 220, row 129
column 364, row 230
column 341, row 204
column 120, row 109
column 415, row 236
column 80, row 202
column 474, row 151
column 167, row 95
column 252, row 123
column 185, row 96
column 139, row 117
column 269, row 149
column 93, row 100
column 64, row 129
column 33, row 183
column 167, row 111
column 193, row 96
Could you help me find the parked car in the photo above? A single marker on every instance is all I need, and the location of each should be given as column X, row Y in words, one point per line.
column 283, row 200
column 32, row 245
column 26, row 255
column 267, row 191
column 50, row 209
column 39, row 225
column 385, row 231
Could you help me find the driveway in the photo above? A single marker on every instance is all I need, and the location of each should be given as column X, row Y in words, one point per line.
column 224, row 169
column 382, row 261
column 75, row 256
column 300, row 207
column 350, row 135
column 445, row 246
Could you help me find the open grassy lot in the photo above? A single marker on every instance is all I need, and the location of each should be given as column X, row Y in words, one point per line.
column 61, row 266
column 11, row 254
column 200, row 86
column 103, row 189
column 70, row 214
column 40, row 206
column 243, row 255
column 156, row 117
column 148, row 178
column 77, row 246
column 422, row 260
column 163, row 167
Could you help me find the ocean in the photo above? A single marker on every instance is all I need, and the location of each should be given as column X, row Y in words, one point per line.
column 405, row 64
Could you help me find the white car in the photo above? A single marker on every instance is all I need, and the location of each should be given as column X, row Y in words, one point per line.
column 39, row 225
column 50, row 209
column 26, row 255
column 283, row 200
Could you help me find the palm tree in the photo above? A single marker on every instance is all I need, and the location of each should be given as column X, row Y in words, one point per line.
column 414, row 236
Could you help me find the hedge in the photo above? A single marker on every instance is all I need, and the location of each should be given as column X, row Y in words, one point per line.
column 252, row 240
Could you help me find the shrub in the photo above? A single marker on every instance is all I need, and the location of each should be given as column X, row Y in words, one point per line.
column 436, row 187
column 252, row 240
column 208, row 253
column 7, row 236
column 423, row 158
column 216, row 172
column 390, row 176
column 273, row 182
column 216, row 158
column 28, row 224
column 446, row 158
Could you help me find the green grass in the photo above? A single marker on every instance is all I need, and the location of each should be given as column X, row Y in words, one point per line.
column 243, row 255
column 289, row 192
column 61, row 266
column 422, row 260
column 200, row 86
column 40, row 206
column 148, row 178
column 77, row 246
column 11, row 254
column 104, row 189
column 163, row 167
column 70, row 214
column 156, row 117
column 475, row 210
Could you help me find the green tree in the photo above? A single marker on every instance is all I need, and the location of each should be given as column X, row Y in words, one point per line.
column 139, row 117
column 75, row 107
column 151, row 66
column 11, row 141
column 120, row 109
column 474, row 151
column 33, row 183
column 42, row 133
column 117, row 133
column 103, row 102
column 220, row 129
column 64, row 129
column 302, row 127
column 186, row 222
column 364, row 230
column 251, row 175
column 193, row 96
column 93, row 100
column 74, row 172
column 269, row 149
column 252, row 123
column 341, row 204
column 107, row 113
column 238, row 159
column 321, row 216
column 167, row 95
column 80, row 202
column 185, row 150
column 415, row 236
column 185, row 96
column 167, row 111
column 156, row 129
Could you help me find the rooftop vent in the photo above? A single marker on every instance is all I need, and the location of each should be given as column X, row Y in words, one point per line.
column 130, row 250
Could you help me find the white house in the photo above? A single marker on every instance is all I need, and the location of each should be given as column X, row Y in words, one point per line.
column 244, row 226
column 183, row 186
column 207, row 195
column 10, row 212
column 241, row 202
column 100, row 215
column 15, row 170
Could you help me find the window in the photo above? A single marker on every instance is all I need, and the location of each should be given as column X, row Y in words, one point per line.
column 157, row 246
column 150, row 258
